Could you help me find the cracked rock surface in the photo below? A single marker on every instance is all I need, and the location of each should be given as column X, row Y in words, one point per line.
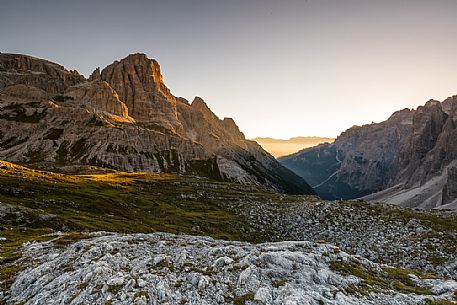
column 164, row 268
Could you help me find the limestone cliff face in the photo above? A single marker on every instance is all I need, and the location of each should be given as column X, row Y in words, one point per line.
column 139, row 84
column 410, row 159
column 425, row 167
column 411, row 164
column 125, row 118
column 98, row 96
column 359, row 160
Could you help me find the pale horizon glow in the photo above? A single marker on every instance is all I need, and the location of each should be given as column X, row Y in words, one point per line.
column 281, row 69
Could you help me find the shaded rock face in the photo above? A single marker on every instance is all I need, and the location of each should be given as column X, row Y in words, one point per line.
column 428, row 123
column 357, row 163
column 407, row 160
column 124, row 118
column 450, row 188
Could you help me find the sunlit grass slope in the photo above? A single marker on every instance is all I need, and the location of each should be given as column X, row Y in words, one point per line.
column 126, row 202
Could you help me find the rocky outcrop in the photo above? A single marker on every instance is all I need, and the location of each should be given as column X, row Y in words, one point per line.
column 96, row 75
column 98, row 96
column 407, row 160
column 171, row 269
column 39, row 73
column 382, row 233
column 124, row 118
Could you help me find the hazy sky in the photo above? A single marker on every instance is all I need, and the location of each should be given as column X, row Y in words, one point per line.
column 279, row 68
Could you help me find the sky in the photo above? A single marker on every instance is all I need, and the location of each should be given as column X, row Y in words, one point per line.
column 279, row 68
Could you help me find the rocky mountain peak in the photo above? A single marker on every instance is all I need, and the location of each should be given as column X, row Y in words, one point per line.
column 199, row 104
column 449, row 105
column 95, row 75
column 138, row 65
column 139, row 84
column 402, row 115
column 231, row 127
column 23, row 63
column 409, row 159
column 432, row 103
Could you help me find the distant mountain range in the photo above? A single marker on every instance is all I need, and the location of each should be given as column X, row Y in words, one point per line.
column 280, row 147
column 123, row 117
column 409, row 159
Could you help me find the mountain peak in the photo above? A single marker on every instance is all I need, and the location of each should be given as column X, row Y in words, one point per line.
column 141, row 59
column 198, row 102
column 139, row 84
column 432, row 103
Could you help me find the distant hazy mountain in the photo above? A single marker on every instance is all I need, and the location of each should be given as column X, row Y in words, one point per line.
column 280, row 147
column 123, row 117
column 409, row 159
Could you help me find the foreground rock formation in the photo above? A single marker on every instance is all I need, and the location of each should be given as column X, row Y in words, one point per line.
column 387, row 234
column 123, row 117
column 170, row 269
column 409, row 160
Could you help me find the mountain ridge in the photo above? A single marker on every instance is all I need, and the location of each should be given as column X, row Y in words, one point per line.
column 123, row 117
column 408, row 160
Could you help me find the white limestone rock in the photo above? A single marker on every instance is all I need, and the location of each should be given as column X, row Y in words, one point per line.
column 151, row 269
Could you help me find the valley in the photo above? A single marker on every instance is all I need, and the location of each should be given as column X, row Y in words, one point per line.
column 280, row 147
column 115, row 191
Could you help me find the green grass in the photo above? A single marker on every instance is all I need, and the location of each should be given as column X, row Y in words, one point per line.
column 438, row 220
column 114, row 289
column 140, row 294
column 240, row 300
column 15, row 237
column 70, row 238
column 396, row 279
column 278, row 283
column 439, row 302
column 129, row 202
